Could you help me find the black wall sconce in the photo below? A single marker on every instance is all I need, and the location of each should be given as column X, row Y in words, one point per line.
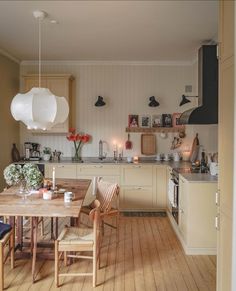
column 153, row 102
column 100, row 102
column 185, row 100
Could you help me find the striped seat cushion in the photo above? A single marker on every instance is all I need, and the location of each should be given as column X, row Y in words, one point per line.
column 105, row 194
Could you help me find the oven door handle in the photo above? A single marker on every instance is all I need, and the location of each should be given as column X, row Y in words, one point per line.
column 176, row 188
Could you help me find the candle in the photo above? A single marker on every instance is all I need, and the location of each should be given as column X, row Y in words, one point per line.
column 135, row 158
column 114, row 146
column 53, row 178
column 186, row 155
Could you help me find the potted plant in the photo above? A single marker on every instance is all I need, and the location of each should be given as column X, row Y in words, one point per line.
column 47, row 153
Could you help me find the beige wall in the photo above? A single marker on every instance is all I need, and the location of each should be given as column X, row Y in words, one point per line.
column 9, row 128
column 126, row 89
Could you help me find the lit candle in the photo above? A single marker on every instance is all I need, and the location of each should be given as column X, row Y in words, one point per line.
column 114, row 145
column 135, row 159
column 186, row 155
column 53, row 178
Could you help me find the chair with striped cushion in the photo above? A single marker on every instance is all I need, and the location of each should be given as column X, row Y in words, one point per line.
column 108, row 195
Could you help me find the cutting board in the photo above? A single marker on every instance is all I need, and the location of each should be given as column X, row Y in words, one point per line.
column 148, row 144
column 194, row 149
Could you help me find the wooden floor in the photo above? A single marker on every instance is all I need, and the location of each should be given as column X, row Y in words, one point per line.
column 148, row 257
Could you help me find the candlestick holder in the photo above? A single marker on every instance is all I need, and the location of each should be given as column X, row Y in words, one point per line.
column 115, row 155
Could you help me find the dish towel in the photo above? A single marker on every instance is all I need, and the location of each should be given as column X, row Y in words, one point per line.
column 171, row 193
column 4, row 229
column 95, row 185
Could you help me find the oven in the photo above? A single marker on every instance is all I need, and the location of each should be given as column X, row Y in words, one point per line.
column 173, row 194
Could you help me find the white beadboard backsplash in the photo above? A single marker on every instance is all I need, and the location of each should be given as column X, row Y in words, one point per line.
column 126, row 90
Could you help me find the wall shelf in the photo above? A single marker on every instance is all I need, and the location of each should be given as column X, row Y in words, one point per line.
column 155, row 129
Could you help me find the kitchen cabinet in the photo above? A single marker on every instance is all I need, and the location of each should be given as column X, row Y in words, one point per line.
column 161, row 187
column 138, row 187
column 196, row 228
column 61, row 170
column 60, row 85
column 110, row 173
column 225, row 246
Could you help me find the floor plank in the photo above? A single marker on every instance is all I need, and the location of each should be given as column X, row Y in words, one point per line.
column 148, row 257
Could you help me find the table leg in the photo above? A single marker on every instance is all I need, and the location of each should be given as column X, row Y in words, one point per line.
column 52, row 230
column 35, row 231
column 19, row 232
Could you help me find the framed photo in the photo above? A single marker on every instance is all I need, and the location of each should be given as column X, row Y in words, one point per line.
column 175, row 120
column 157, row 120
column 133, row 120
column 145, row 121
column 166, row 120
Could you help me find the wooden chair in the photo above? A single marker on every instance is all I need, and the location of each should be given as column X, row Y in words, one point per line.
column 107, row 194
column 8, row 238
column 75, row 239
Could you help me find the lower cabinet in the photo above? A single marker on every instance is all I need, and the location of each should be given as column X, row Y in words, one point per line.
column 161, row 187
column 61, row 170
column 137, row 198
column 197, row 210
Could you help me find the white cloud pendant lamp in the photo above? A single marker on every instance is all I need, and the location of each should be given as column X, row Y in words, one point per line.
column 39, row 108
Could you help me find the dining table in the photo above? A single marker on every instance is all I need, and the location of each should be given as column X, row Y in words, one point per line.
column 36, row 208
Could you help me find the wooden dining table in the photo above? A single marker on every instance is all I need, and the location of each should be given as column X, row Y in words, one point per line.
column 12, row 205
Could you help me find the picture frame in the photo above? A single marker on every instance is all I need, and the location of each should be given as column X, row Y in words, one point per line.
column 145, row 121
column 166, row 120
column 156, row 120
column 133, row 120
column 175, row 119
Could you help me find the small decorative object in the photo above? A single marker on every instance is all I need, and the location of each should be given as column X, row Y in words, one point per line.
column 153, row 102
column 135, row 159
column 78, row 140
column 68, row 197
column 47, row 153
column 100, row 102
column 157, row 120
column 47, row 195
column 176, row 143
column 145, row 120
column 133, row 120
column 15, row 155
column 176, row 120
column 166, row 120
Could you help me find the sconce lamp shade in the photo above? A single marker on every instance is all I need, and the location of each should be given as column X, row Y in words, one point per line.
column 153, row 102
column 185, row 100
column 39, row 109
column 100, row 102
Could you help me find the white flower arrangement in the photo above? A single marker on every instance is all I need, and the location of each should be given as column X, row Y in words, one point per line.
column 29, row 173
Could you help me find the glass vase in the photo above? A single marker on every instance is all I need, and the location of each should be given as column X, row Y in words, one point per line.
column 23, row 189
column 77, row 157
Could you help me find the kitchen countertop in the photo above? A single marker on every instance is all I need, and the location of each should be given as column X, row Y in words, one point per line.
column 199, row 177
column 190, row 177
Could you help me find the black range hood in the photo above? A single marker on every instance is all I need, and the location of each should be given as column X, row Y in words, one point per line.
column 207, row 112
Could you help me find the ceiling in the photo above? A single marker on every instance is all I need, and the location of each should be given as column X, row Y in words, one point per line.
column 108, row 30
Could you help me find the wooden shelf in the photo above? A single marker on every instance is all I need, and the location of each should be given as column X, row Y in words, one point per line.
column 155, row 129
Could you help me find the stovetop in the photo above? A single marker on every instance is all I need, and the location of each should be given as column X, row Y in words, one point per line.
column 186, row 170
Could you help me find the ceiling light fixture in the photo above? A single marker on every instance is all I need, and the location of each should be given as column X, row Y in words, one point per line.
column 39, row 108
column 185, row 100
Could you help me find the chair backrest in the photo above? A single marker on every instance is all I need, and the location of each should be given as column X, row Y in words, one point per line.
column 106, row 192
column 94, row 215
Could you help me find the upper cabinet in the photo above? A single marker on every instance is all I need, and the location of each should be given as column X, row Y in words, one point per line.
column 226, row 29
column 60, row 85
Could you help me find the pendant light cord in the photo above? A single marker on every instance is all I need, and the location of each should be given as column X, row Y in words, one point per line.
column 40, row 44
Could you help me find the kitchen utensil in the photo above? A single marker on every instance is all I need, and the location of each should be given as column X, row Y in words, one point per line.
column 214, row 169
column 194, row 149
column 148, row 144
column 128, row 143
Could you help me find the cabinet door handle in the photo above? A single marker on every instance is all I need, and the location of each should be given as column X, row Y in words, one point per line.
column 60, row 166
column 217, row 197
column 100, row 166
column 138, row 188
column 137, row 166
column 217, row 222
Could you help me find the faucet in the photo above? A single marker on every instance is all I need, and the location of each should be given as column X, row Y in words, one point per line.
column 101, row 155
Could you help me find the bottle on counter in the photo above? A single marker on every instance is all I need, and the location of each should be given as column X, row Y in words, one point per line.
column 203, row 164
column 15, row 155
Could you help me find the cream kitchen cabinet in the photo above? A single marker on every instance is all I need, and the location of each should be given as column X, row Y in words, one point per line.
column 196, row 228
column 138, row 187
column 60, row 85
column 110, row 173
column 61, row 170
column 161, row 187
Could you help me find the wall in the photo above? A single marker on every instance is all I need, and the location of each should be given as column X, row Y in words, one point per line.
column 126, row 88
column 9, row 128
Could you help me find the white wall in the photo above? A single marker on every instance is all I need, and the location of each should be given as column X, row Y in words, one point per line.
column 126, row 89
